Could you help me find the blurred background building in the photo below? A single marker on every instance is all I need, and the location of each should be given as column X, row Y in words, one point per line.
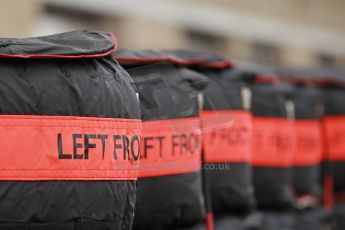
column 279, row 32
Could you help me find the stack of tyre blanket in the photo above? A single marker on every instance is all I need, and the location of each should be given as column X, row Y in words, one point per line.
column 170, row 194
column 227, row 129
column 70, row 128
column 307, row 157
column 171, row 139
column 272, row 147
column 332, row 84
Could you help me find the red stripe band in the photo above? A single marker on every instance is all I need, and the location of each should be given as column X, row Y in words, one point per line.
column 273, row 142
column 334, row 132
column 177, row 61
column 308, row 148
column 170, row 147
column 68, row 148
column 227, row 135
